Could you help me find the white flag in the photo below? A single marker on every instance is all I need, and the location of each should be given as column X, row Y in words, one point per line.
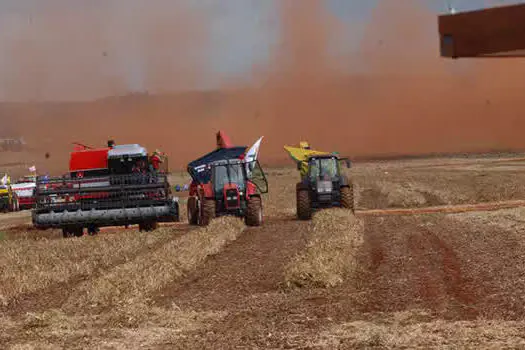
column 253, row 152
column 251, row 156
column 4, row 180
column 32, row 169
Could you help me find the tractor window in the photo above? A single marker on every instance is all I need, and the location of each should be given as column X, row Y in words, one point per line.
column 236, row 175
column 314, row 170
column 342, row 166
column 328, row 168
column 324, row 167
column 220, row 177
column 226, row 174
column 126, row 165
column 256, row 175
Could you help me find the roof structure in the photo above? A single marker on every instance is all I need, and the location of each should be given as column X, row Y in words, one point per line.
column 127, row 150
column 491, row 32
column 198, row 169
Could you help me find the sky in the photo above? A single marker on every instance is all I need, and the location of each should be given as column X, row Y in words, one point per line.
column 108, row 33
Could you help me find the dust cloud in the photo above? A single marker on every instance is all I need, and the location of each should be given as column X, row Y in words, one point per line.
column 407, row 101
column 394, row 96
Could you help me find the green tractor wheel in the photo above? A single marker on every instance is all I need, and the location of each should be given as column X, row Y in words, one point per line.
column 304, row 205
column 347, row 197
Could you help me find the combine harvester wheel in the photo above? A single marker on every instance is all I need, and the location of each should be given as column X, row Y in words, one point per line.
column 148, row 226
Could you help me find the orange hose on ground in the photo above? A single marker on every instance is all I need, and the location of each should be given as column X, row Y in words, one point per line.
column 448, row 209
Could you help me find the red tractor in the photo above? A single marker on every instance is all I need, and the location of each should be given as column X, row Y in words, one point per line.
column 111, row 186
column 224, row 183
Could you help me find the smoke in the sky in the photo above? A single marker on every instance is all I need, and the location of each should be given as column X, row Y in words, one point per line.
column 104, row 48
column 85, row 49
column 400, row 96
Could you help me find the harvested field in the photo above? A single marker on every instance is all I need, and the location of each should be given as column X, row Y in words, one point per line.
column 333, row 240
column 417, row 280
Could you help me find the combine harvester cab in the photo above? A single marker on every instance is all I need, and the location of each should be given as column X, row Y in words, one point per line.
column 104, row 188
column 323, row 183
column 227, row 181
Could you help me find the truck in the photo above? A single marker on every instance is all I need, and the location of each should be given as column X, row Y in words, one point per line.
column 110, row 186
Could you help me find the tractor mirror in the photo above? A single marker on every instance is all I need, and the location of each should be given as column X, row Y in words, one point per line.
column 348, row 163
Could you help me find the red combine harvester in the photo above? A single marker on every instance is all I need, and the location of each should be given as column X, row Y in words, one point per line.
column 25, row 190
column 224, row 182
column 111, row 186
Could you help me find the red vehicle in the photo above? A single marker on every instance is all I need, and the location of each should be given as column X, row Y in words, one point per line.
column 224, row 183
column 111, row 186
column 25, row 191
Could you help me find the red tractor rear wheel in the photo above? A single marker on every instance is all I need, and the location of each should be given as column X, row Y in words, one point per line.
column 207, row 212
column 254, row 212
column 193, row 211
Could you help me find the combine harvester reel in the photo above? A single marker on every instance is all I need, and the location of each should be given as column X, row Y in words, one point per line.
column 114, row 186
column 227, row 181
column 323, row 183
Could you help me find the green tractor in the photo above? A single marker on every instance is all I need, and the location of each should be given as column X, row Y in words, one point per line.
column 323, row 182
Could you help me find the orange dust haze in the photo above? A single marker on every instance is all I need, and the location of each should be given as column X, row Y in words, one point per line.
column 394, row 95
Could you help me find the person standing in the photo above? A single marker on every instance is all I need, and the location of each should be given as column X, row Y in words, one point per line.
column 156, row 160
